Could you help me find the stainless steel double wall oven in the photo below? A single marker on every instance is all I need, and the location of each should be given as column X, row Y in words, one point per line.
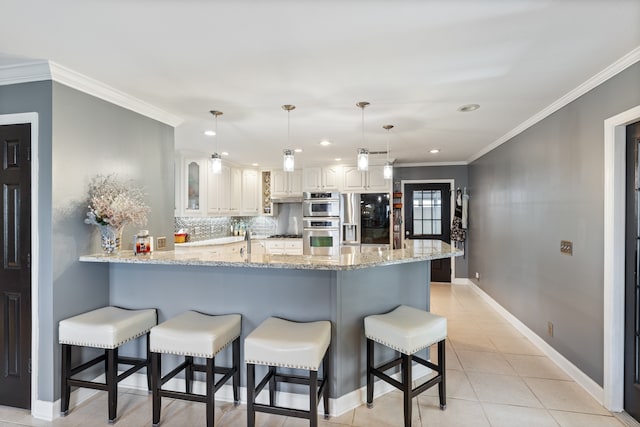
column 321, row 223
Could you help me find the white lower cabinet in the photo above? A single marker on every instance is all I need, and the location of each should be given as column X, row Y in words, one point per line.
column 283, row 246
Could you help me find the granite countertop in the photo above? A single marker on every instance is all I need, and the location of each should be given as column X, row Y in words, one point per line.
column 417, row 250
column 219, row 241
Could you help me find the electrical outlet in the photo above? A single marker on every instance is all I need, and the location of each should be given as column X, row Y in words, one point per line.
column 161, row 242
column 477, row 275
column 550, row 329
column 566, row 247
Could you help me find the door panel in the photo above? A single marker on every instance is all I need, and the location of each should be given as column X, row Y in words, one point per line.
column 427, row 215
column 15, row 271
column 632, row 278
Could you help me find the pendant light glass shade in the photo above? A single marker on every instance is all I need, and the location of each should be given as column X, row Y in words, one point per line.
column 363, row 159
column 216, row 163
column 216, row 160
column 363, row 153
column 387, row 171
column 288, row 161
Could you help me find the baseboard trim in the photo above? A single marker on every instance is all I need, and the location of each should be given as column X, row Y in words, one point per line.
column 49, row 411
column 590, row 386
column 461, row 281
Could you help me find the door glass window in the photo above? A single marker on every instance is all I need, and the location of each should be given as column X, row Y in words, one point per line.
column 427, row 212
column 193, row 186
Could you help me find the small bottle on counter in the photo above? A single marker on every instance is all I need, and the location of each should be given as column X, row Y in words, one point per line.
column 142, row 243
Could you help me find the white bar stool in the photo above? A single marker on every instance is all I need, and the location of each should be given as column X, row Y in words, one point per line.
column 279, row 343
column 406, row 330
column 107, row 328
column 192, row 334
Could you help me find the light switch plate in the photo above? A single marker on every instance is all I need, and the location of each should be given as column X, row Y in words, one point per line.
column 566, row 247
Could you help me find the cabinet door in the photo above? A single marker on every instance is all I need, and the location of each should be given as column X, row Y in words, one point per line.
column 250, row 191
column 224, row 190
column 279, row 183
column 214, row 183
column 353, row 179
column 312, row 179
column 294, row 183
column 376, row 181
column 235, row 194
column 331, row 178
column 194, row 186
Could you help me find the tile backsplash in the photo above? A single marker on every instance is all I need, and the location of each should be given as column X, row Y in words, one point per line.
column 210, row 228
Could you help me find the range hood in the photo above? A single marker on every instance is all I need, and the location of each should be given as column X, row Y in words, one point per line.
column 286, row 199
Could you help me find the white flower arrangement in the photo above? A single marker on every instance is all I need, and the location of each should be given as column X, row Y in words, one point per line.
column 115, row 203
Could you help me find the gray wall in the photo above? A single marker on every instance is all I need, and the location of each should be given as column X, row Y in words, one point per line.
column 81, row 136
column 461, row 177
column 543, row 186
column 90, row 137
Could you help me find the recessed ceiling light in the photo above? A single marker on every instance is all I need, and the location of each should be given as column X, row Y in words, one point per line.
column 254, row 164
column 325, row 142
column 209, row 133
column 337, row 159
column 468, row 108
column 434, row 151
column 298, row 150
column 224, row 153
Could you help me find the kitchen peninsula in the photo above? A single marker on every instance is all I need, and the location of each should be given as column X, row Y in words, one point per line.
column 342, row 289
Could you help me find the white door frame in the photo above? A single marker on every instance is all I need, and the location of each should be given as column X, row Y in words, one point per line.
column 32, row 118
column 614, row 256
column 452, row 186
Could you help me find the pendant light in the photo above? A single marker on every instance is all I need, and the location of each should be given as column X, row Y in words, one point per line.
column 216, row 160
column 287, row 153
column 363, row 153
column 388, row 166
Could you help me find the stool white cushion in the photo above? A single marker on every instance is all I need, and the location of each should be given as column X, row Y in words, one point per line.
column 279, row 342
column 195, row 334
column 406, row 329
column 107, row 327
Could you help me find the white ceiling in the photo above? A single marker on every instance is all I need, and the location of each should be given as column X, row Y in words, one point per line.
column 416, row 62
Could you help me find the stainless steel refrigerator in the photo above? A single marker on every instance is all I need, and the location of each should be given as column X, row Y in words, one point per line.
column 365, row 222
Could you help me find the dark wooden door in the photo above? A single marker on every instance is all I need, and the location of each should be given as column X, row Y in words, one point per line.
column 427, row 215
column 15, row 271
column 632, row 277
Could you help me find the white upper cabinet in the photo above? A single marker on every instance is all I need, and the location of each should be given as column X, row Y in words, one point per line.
column 317, row 178
column 369, row 181
column 191, row 199
column 286, row 184
column 235, row 193
column 219, row 194
column 250, row 192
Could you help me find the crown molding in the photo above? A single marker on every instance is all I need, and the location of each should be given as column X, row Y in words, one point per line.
column 412, row 165
column 620, row 65
column 49, row 70
column 24, row 73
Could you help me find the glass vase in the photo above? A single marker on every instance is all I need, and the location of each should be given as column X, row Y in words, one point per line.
column 110, row 238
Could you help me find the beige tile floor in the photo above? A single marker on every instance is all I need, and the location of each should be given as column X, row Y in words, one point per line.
column 495, row 377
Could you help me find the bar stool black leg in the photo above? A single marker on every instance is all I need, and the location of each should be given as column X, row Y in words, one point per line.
column 65, row 392
column 236, row 375
column 251, row 390
column 442, row 387
column 272, row 385
column 112, row 383
column 369, row 373
column 313, row 398
column 325, row 374
column 407, row 386
column 155, row 386
column 210, row 404
column 188, row 373
column 149, row 362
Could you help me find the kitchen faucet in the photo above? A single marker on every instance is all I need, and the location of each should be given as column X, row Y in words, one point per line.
column 247, row 238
